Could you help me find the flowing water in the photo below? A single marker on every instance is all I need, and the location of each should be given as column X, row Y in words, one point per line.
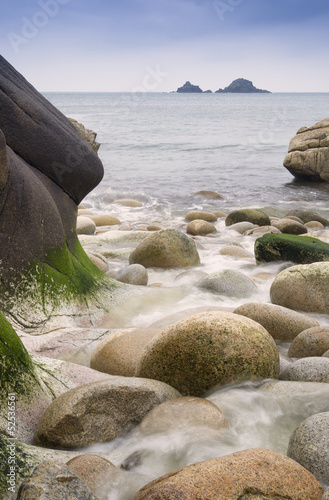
column 160, row 149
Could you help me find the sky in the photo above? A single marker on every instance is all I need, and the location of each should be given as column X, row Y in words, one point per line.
column 157, row 45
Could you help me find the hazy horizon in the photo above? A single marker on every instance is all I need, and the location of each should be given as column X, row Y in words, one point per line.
column 157, row 45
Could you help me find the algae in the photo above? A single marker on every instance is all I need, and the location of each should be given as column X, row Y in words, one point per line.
column 288, row 247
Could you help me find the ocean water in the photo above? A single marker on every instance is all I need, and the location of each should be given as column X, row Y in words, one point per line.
column 162, row 148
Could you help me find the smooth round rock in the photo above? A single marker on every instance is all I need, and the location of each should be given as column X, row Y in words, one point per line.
column 310, row 342
column 228, row 282
column 242, row 227
column 248, row 214
column 309, row 446
column 187, row 277
column 210, row 195
column 314, row 369
column 288, row 226
column 119, row 352
column 91, row 469
column 314, row 225
column 127, row 202
column 183, row 413
column 220, row 214
column 235, row 251
column 200, row 227
column 249, row 474
column 105, row 220
column 56, row 482
column 308, row 216
column 167, row 249
column 99, row 412
column 303, row 288
column 282, row 323
column 99, row 260
column 85, row 225
column 199, row 215
column 135, row 274
column 260, row 231
column 197, row 353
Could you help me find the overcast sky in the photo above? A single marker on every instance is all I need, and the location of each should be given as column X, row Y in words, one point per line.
column 156, row 45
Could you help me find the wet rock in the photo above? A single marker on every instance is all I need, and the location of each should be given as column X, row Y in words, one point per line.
column 154, row 227
column 310, row 342
column 248, row 214
column 105, row 220
column 93, row 470
column 314, row 369
column 99, row 260
column 286, row 247
column 135, row 274
column 304, row 288
column 220, row 214
column 228, row 282
column 282, row 323
column 99, row 412
column 119, row 352
column 168, row 249
column 85, row 211
column 183, row 413
column 308, row 154
column 309, row 446
column 206, row 216
column 85, row 225
column 260, row 231
column 210, row 195
column 188, row 277
column 206, row 349
column 200, row 227
column 308, row 216
column 314, row 225
column 257, row 473
column 53, row 481
column 127, row 202
column 236, row 251
column 288, row 226
column 242, row 227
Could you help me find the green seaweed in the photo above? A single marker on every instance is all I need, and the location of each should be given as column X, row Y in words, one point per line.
column 288, row 247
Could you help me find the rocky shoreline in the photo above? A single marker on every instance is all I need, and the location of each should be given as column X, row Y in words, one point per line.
column 126, row 331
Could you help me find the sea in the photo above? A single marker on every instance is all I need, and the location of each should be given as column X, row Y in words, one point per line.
column 160, row 149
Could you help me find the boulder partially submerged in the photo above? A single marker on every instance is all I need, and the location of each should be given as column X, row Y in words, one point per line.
column 308, row 154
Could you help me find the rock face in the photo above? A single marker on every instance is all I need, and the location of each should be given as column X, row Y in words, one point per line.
column 99, row 412
column 288, row 247
column 282, row 323
column 256, row 473
column 309, row 446
column 303, row 288
column 308, row 154
column 206, row 349
column 46, row 170
column 242, row 86
column 167, row 249
column 189, row 88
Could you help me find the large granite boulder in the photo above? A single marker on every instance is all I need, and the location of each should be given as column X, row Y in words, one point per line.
column 197, row 353
column 255, row 473
column 303, row 288
column 308, row 154
column 46, row 169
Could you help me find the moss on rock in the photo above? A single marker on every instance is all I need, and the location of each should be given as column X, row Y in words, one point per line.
column 287, row 247
column 248, row 214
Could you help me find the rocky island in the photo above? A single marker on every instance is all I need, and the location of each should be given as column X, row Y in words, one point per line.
column 242, row 86
column 239, row 86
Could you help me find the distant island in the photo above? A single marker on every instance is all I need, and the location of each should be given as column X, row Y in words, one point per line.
column 239, row 86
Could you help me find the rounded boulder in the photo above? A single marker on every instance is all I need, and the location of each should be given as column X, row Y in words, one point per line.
column 309, row 446
column 200, row 227
column 85, row 225
column 166, row 249
column 199, row 215
column 303, row 288
column 313, row 369
column 282, row 323
column 248, row 214
column 135, row 274
column 195, row 354
column 310, row 342
column 228, row 282
column 255, row 473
